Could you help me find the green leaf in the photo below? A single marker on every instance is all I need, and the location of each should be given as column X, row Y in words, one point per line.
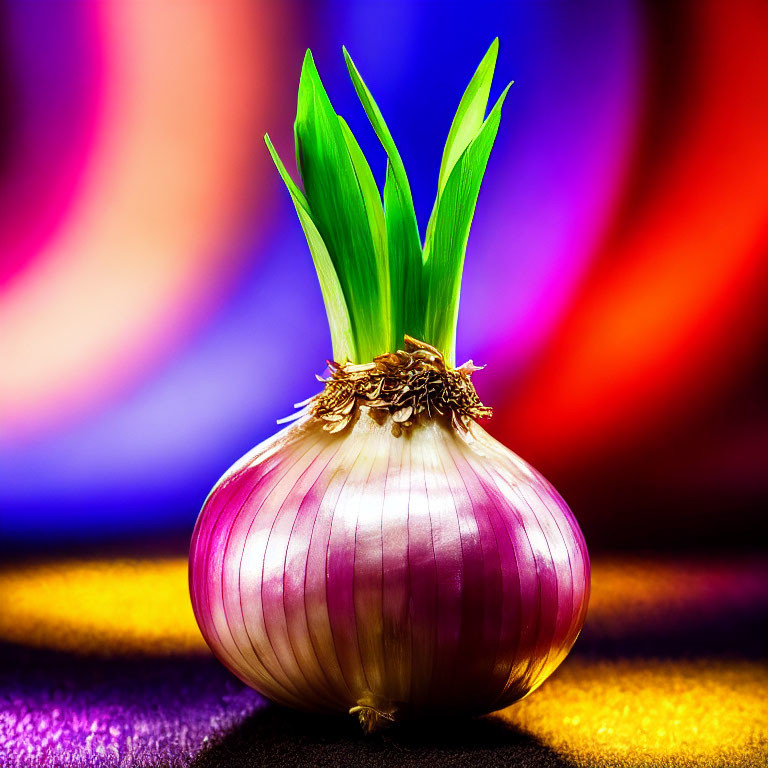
column 335, row 305
column 470, row 114
column 406, row 271
column 467, row 121
column 446, row 244
column 375, row 212
column 337, row 207
column 405, row 254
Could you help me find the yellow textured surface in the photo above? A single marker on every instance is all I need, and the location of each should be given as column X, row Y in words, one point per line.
column 651, row 713
column 103, row 607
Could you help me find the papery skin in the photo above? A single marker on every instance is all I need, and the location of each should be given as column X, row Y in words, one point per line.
column 431, row 572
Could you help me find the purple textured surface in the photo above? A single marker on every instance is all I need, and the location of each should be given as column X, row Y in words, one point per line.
column 58, row 710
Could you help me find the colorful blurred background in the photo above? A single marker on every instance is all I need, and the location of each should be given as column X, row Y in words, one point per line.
column 159, row 310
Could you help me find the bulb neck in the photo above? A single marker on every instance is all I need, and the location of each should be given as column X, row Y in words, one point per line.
column 410, row 386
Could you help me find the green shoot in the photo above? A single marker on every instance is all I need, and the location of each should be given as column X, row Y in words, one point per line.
column 377, row 281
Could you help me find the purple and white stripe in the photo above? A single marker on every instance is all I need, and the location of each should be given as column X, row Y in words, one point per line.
column 417, row 574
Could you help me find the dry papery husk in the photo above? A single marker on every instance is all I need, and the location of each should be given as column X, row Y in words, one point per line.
column 408, row 385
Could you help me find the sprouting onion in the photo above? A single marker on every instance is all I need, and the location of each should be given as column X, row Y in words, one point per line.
column 383, row 555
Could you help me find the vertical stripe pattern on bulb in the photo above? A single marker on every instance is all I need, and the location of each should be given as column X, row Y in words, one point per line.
column 393, row 576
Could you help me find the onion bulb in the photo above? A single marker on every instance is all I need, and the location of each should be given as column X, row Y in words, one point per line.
column 383, row 555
